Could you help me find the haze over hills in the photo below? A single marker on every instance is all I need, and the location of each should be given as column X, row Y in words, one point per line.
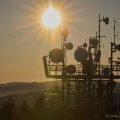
column 29, row 91
column 30, row 97
column 12, row 83
column 21, row 91
column 23, row 87
column 20, row 87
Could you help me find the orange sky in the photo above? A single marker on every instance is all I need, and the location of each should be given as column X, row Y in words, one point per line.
column 24, row 40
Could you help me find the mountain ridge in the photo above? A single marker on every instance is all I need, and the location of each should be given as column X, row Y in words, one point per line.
column 29, row 91
column 11, row 88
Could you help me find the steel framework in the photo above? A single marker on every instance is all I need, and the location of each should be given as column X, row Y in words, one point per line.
column 87, row 88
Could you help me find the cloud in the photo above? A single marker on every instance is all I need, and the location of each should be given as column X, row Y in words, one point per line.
column 22, row 38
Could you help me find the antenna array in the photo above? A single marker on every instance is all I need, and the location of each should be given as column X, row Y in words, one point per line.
column 89, row 85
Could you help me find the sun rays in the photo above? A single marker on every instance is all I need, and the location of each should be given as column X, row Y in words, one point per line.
column 35, row 27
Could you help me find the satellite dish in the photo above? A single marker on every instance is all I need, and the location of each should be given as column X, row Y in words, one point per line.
column 106, row 71
column 97, row 56
column 70, row 69
column 118, row 47
column 81, row 54
column 69, row 46
column 56, row 55
column 94, row 42
column 106, row 20
column 85, row 45
column 65, row 33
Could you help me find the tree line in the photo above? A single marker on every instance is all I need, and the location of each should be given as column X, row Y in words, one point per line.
column 51, row 107
column 44, row 108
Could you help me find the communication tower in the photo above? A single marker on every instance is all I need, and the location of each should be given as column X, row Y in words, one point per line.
column 87, row 88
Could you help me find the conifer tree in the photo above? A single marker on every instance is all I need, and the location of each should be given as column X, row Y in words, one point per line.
column 39, row 108
column 25, row 111
column 8, row 110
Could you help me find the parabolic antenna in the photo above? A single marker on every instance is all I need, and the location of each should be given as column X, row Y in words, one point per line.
column 106, row 71
column 106, row 20
column 94, row 42
column 98, row 56
column 81, row 54
column 69, row 46
column 70, row 69
column 118, row 47
column 56, row 55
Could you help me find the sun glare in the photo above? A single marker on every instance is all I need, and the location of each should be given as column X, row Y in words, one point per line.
column 51, row 18
column 51, row 14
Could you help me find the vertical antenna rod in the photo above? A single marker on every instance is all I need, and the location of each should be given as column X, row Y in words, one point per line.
column 99, row 44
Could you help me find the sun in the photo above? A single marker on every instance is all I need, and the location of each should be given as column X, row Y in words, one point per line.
column 55, row 15
column 51, row 18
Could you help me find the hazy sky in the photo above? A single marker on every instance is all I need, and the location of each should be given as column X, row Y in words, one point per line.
column 24, row 40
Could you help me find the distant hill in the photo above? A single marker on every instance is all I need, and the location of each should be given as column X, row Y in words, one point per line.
column 29, row 91
column 12, row 83
column 16, row 88
column 30, row 97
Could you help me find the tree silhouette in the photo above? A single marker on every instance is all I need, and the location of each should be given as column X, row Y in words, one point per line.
column 55, row 105
column 8, row 110
column 45, row 107
column 39, row 108
column 26, row 113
